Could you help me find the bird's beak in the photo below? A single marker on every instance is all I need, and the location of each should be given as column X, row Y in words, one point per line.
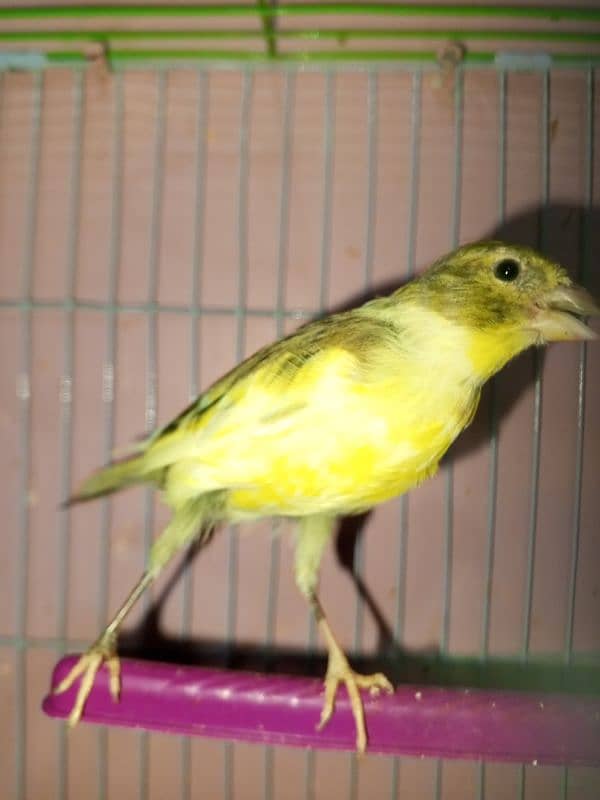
column 557, row 316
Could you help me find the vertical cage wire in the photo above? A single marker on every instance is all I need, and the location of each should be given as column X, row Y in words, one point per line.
column 368, row 237
column 151, row 378
column 454, row 239
column 108, row 382
column 24, row 394
column 241, row 307
column 411, row 237
column 492, row 498
column 155, row 234
column 240, row 312
column 371, row 195
column 371, row 161
column 538, row 386
column 536, row 437
column 282, row 268
column 455, row 214
column 65, row 390
column 327, row 190
column 324, row 274
column 197, row 266
column 493, row 418
column 370, row 210
column 584, row 266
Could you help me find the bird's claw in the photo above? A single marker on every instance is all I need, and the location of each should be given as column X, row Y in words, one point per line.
column 339, row 671
column 102, row 651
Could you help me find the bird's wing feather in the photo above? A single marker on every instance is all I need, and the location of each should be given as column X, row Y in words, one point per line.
column 276, row 383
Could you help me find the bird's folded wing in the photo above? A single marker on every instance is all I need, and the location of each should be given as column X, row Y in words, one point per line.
column 308, row 377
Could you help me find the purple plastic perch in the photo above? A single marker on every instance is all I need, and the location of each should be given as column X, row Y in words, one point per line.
column 448, row 723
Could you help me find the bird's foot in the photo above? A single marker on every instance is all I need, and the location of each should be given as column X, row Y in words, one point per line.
column 339, row 671
column 102, row 651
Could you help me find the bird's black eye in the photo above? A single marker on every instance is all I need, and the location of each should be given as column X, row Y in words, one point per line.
column 507, row 270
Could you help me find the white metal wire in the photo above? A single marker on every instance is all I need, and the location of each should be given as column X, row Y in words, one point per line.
column 449, row 482
column 24, row 394
column 282, row 266
column 197, row 265
column 65, row 390
column 493, row 446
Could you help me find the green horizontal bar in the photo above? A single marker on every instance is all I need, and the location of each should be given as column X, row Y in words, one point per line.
column 314, row 55
column 137, row 56
column 576, row 58
column 435, row 33
column 340, row 34
column 67, row 57
column 293, row 9
column 73, row 57
column 103, row 36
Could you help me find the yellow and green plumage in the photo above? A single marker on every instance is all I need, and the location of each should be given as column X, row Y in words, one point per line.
column 350, row 410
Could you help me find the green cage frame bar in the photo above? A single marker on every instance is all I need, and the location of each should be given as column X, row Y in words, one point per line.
column 337, row 40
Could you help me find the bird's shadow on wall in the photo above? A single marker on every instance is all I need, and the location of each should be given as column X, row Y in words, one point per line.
column 563, row 232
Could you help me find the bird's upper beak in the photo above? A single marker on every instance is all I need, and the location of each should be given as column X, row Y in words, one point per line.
column 557, row 315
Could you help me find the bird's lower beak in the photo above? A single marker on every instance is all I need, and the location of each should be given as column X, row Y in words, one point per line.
column 557, row 317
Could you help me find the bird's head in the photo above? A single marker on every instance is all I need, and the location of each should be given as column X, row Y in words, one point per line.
column 509, row 289
column 502, row 299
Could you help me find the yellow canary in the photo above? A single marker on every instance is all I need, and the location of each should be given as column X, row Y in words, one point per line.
column 347, row 412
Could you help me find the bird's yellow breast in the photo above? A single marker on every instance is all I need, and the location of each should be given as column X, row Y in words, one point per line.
column 346, row 434
column 363, row 442
column 379, row 446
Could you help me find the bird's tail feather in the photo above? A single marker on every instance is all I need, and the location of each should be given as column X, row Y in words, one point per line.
column 112, row 478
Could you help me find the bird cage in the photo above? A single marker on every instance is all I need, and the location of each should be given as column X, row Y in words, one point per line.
column 180, row 185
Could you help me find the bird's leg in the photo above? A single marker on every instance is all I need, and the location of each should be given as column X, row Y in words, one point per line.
column 314, row 535
column 339, row 671
column 102, row 651
column 183, row 527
